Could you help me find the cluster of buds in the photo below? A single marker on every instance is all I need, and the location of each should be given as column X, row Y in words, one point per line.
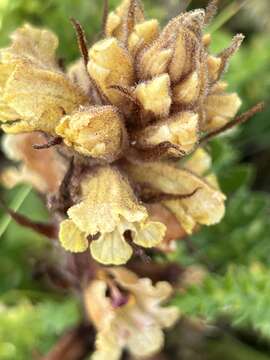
column 117, row 128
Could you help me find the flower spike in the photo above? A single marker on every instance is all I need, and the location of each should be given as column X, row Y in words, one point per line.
column 122, row 167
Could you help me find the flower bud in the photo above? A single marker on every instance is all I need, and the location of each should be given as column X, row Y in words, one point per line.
column 34, row 92
column 199, row 163
column 213, row 65
column 187, row 91
column 220, row 108
column 154, row 95
column 96, row 131
column 110, row 64
column 51, row 95
column 176, row 51
column 144, row 34
column 206, row 39
column 180, row 129
column 187, row 45
column 205, row 207
column 120, row 23
column 77, row 73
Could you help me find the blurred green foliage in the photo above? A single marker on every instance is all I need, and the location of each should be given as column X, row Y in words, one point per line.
column 249, row 75
column 242, row 294
column 32, row 317
column 56, row 14
column 26, row 328
column 235, row 253
column 19, row 246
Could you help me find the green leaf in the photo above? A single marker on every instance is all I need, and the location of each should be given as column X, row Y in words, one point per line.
column 236, row 177
column 242, row 294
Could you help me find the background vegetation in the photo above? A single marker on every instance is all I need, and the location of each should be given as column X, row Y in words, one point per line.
column 235, row 255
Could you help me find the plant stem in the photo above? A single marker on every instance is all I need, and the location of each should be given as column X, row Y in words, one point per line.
column 15, row 206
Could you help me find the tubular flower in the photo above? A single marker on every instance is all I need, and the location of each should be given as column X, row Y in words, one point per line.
column 111, row 64
column 136, row 100
column 29, row 66
column 97, row 131
column 178, row 221
column 108, row 210
column 204, row 207
column 131, row 317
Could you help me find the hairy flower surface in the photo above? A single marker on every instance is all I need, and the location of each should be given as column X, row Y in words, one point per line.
column 108, row 209
column 137, row 101
column 131, row 317
column 29, row 66
column 96, row 131
column 205, row 207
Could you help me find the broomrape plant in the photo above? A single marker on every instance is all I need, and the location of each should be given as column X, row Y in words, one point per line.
column 115, row 145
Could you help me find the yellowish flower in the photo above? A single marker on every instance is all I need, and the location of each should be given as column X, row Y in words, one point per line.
column 77, row 73
column 111, row 64
column 38, row 46
column 6, row 112
column 154, row 95
column 205, row 206
column 181, row 130
column 108, row 210
column 177, row 48
column 172, row 213
column 137, row 98
column 220, row 108
column 165, row 79
column 131, row 317
column 120, row 23
column 34, row 92
column 96, row 131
